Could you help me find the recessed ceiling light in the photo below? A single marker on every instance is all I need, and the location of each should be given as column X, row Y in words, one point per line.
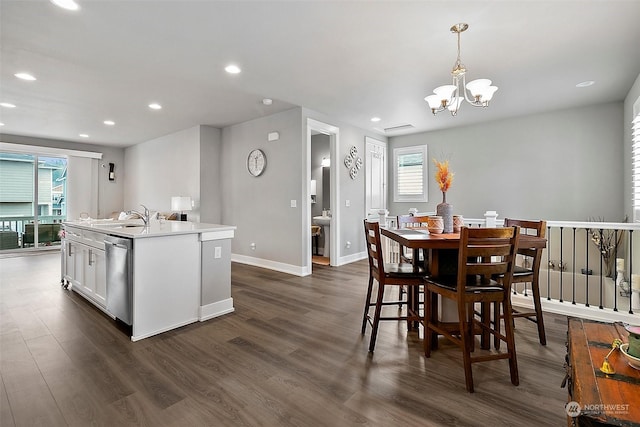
column 7, row 105
column 586, row 83
column 155, row 106
column 1, row 124
column 232, row 69
column 109, row 122
column 25, row 76
column 375, row 119
column 83, row 135
column 267, row 101
column 66, row 4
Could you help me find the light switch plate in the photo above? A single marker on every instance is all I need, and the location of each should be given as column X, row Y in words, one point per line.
column 294, row 204
column 217, row 252
column 347, row 203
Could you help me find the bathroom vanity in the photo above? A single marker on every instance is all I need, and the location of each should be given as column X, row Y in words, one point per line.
column 152, row 278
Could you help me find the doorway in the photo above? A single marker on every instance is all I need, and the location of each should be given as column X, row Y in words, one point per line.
column 322, row 143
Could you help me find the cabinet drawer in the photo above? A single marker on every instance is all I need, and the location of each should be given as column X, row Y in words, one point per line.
column 94, row 239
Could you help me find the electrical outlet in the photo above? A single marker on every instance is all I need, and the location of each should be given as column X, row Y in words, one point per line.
column 293, row 203
column 217, row 253
column 253, row 246
column 347, row 203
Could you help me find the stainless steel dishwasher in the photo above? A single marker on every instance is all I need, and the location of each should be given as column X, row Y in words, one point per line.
column 119, row 277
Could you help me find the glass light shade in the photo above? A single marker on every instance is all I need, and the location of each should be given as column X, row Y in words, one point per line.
column 181, row 203
column 487, row 94
column 434, row 101
column 326, row 162
column 455, row 105
column 445, row 92
column 313, row 187
column 477, row 87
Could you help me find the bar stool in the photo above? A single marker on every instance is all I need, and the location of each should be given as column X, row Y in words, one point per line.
column 483, row 253
column 388, row 274
column 528, row 275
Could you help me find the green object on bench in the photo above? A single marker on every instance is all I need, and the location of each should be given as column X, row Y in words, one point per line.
column 8, row 239
column 47, row 233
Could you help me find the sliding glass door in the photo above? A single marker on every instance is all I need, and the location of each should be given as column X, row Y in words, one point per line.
column 32, row 200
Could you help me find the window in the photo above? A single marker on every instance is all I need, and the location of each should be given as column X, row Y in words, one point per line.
column 410, row 174
column 32, row 191
column 635, row 155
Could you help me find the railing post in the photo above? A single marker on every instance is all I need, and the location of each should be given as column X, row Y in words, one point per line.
column 586, row 233
column 573, row 297
column 560, row 266
column 548, row 263
column 601, row 276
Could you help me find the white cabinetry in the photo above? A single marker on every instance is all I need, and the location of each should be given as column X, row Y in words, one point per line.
column 85, row 264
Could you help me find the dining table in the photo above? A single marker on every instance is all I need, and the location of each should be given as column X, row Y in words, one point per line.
column 440, row 254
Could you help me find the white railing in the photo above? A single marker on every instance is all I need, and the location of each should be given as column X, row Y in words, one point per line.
column 589, row 269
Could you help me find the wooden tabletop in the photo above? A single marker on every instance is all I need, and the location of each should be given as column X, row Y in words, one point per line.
column 420, row 238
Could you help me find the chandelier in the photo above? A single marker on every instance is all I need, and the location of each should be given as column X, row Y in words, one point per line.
column 450, row 97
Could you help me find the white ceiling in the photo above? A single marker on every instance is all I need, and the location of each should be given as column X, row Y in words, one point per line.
column 350, row 60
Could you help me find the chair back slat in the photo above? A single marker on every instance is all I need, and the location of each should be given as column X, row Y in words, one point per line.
column 374, row 247
column 410, row 221
column 532, row 228
column 487, row 252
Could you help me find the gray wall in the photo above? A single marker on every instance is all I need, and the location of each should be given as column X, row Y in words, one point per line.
column 210, row 178
column 561, row 165
column 161, row 168
column 261, row 206
column 110, row 193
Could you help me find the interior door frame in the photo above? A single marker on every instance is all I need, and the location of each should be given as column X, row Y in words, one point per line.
column 334, row 243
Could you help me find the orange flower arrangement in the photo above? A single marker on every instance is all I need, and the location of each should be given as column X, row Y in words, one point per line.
column 444, row 176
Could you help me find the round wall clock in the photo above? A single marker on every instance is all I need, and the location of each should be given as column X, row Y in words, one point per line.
column 256, row 162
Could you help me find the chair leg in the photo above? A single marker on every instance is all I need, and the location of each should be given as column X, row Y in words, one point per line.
column 401, row 291
column 466, row 335
column 376, row 318
column 485, row 316
column 367, row 304
column 410, row 305
column 538, row 306
column 511, row 342
column 428, row 318
column 496, row 324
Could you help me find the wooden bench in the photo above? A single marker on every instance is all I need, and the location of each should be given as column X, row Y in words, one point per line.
column 597, row 399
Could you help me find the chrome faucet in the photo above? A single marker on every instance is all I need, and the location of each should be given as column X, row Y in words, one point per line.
column 144, row 216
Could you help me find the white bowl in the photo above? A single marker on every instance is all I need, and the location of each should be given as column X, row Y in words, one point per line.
column 634, row 362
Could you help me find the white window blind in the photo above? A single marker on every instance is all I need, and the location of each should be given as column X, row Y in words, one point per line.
column 410, row 173
column 635, row 154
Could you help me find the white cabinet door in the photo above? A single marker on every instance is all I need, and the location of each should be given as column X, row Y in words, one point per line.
column 94, row 284
column 100, row 277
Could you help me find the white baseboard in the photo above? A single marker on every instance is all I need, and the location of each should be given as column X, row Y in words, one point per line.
column 139, row 337
column 291, row 269
column 351, row 258
column 272, row 265
column 215, row 309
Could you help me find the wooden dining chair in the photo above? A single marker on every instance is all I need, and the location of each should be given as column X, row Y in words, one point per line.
column 387, row 275
column 409, row 221
column 528, row 273
column 483, row 253
column 407, row 255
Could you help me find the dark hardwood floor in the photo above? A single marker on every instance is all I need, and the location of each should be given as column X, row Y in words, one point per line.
column 290, row 355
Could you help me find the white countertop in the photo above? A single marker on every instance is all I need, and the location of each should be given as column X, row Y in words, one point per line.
column 136, row 229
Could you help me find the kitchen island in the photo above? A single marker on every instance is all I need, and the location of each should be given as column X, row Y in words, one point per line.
column 177, row 272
